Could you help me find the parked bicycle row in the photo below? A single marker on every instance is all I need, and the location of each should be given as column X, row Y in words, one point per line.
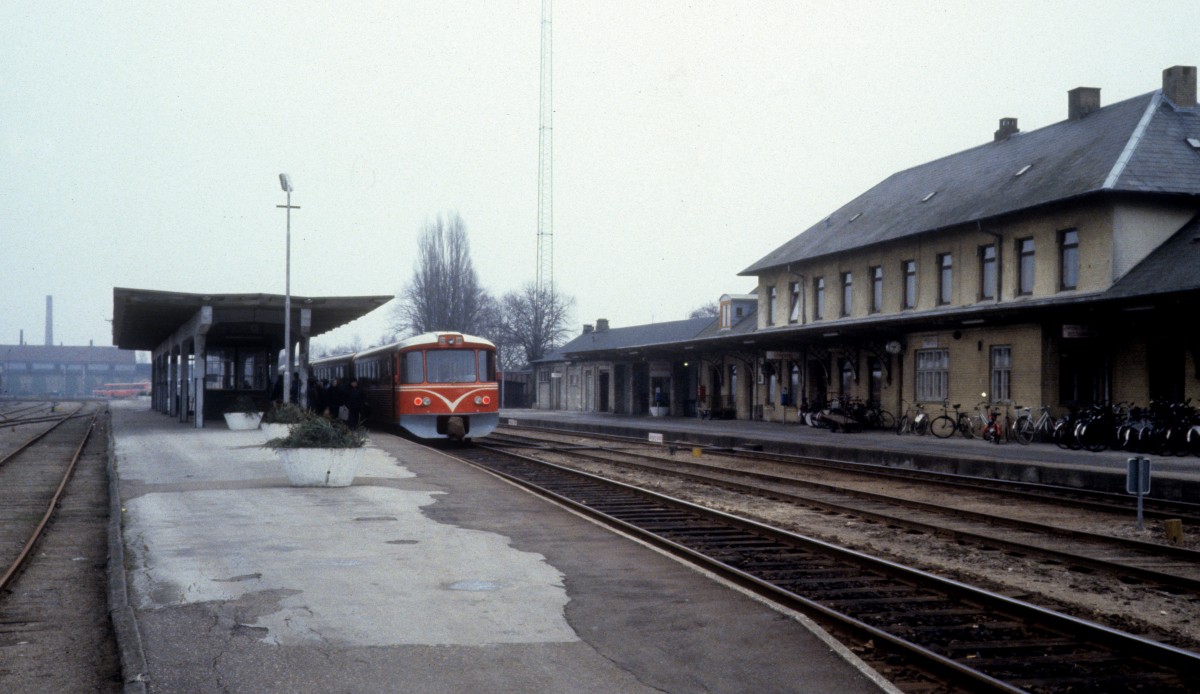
column 1163, row 428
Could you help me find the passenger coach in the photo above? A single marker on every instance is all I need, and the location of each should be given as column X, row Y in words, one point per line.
column 434, row 385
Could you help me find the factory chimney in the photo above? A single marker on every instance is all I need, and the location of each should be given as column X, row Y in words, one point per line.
column 49, row 321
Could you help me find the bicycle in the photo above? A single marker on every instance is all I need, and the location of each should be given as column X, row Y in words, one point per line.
column 1026, row 429
column 913, row 422
column 943, row 426
column 990, row 417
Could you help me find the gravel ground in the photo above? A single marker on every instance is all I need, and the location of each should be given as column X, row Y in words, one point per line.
column 55, row 635
column 1138, row 609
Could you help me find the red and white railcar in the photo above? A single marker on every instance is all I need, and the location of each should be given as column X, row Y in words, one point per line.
column 435, row 385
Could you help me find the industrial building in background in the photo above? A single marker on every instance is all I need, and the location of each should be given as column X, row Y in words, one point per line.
column 50, row 370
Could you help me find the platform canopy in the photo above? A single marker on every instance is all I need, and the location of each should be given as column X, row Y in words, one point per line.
column 144, row 318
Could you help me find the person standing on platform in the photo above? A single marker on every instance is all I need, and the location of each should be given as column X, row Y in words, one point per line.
column 316, row 396
column 356, row 400
column 333, row 398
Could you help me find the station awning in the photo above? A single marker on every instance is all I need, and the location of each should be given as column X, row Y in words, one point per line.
column 144, row 318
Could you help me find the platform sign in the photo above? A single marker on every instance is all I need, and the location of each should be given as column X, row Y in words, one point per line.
column 1137, row 478
column 1137, row 481
column 656, row 437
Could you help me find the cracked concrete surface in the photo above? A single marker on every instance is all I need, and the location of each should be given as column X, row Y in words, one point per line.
column 424, row 576
column 337, row 551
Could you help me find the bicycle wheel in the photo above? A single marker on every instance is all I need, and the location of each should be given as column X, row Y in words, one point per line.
column 1064, row 434
column 942, row 427
column 886, row 420
column 1023, row 430
column 902, row 424
column 964, row 426
column 1193, row 440
column 920, row 425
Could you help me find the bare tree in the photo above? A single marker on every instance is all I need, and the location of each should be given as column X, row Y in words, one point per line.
column 532, row 323
column 444, row 293
column 709, row 310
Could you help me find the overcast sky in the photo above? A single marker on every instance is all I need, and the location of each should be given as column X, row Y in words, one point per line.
column 141, row 142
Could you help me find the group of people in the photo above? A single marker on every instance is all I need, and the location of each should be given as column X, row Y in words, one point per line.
column 335, row 399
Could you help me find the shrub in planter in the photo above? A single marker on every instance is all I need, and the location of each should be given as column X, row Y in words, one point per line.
column 318, row 432
column 278, row 419
column 318, row 452
column 285, row 413
column 243, row 413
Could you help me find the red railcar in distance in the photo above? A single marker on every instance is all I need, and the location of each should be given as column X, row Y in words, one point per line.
column 122, row 390
column 434, row 385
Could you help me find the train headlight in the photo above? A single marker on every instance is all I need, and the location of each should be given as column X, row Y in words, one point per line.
column 478, row 400
column 421, row 402
column 426, row 402
column 487, row 400
column 417, row 402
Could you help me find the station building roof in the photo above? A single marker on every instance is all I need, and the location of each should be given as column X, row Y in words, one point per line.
column 1141, row 146
column 144, row 318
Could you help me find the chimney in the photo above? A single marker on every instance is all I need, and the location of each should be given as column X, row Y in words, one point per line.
column 49, row 321
column 587, row 328
column 22, row 342
column 1179, row 85
column 1082, row 101
column 1008, row 128
column 601, row 325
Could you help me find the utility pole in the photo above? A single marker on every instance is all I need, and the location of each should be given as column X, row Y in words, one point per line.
column 545, row 227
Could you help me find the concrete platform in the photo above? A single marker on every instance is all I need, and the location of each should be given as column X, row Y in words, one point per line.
column 425, row 575
column 1176, row 478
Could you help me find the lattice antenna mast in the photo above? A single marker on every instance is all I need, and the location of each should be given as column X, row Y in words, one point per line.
column 545, row 229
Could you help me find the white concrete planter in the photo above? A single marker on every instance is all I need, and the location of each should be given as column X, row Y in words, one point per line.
column 243, row 421
column 274, row 431
column 320, row 467
column 659, row 411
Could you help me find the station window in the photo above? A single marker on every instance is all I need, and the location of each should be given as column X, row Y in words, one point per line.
column 1069, row 253
column 876, row 289
column 772, row 302
column 1001, row 373
column 847, row 293
column 987, row 271
column 794, row 315
column 910, row 284
column 945, row 278
column 933, row 375
column 818, row 298
column 1025, row 266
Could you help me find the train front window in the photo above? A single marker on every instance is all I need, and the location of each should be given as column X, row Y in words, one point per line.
column 450, row 365
column 487, row 365
column 413, row 370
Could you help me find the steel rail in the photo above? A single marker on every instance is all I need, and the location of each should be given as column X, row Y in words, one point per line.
column 1116, row 646
column 36, row 535
column 1085, row 498
column 1150, row 550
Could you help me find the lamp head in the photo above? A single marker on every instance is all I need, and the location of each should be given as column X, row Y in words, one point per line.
column 285, row 183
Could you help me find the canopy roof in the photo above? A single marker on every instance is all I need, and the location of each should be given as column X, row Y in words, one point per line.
column 145, row 318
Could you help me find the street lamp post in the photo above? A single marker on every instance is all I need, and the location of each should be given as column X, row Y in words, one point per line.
column 286, row 184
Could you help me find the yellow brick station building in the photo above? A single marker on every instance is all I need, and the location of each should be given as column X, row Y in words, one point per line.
column 1056, row 267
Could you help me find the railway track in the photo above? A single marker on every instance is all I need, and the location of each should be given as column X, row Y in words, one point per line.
column 969, row 638
column 55, row 630
column 1171, row 568
column 33, row 475
column 1154, row 508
